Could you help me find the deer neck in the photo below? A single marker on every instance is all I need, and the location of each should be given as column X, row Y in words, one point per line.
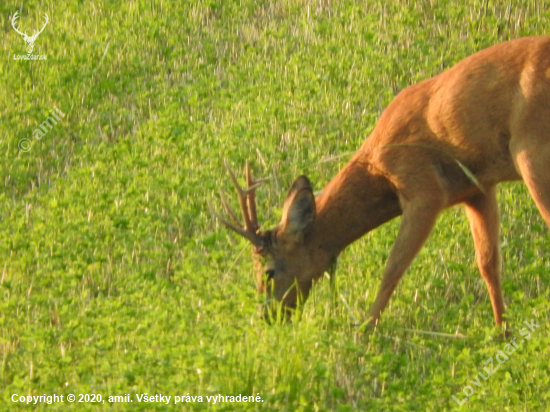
column 356, row 201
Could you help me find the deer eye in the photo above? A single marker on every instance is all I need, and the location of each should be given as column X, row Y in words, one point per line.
column 270, row 273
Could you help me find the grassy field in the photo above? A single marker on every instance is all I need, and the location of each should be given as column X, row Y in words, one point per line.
column 115, row 279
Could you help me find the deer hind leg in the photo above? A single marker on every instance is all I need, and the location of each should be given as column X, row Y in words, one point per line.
column 418, row 220
column 530, row 146
column 534, row 166
column 482, row 212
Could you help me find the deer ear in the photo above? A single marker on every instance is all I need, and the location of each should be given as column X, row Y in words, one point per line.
column 299, row 208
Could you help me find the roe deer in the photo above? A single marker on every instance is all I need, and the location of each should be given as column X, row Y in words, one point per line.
column 446, row 140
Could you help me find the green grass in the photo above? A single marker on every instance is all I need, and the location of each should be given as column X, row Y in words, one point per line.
column 115, row 278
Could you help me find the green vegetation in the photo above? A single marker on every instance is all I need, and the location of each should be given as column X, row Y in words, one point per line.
column 116, row 280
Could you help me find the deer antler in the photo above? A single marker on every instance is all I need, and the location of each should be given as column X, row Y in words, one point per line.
column 13, row 19
column 35, row 34
column 247, row 200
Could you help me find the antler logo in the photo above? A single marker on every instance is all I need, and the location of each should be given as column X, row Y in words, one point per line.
column 28, row 39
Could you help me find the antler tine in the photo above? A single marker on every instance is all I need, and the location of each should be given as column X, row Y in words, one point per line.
column 47, row 20
column 228, row 209
column 251, row 198
column 243, row 195
column 246, row 234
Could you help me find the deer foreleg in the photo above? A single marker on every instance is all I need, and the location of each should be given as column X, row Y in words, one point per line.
column 482, row 211
column 419, row 217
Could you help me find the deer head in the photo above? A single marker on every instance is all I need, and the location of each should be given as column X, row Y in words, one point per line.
column 286, row 263
column 28, row 39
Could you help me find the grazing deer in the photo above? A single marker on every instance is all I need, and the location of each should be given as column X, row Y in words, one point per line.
column 446, row 140
column 29, row 39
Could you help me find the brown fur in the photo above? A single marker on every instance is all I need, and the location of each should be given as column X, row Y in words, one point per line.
column 447, row 140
